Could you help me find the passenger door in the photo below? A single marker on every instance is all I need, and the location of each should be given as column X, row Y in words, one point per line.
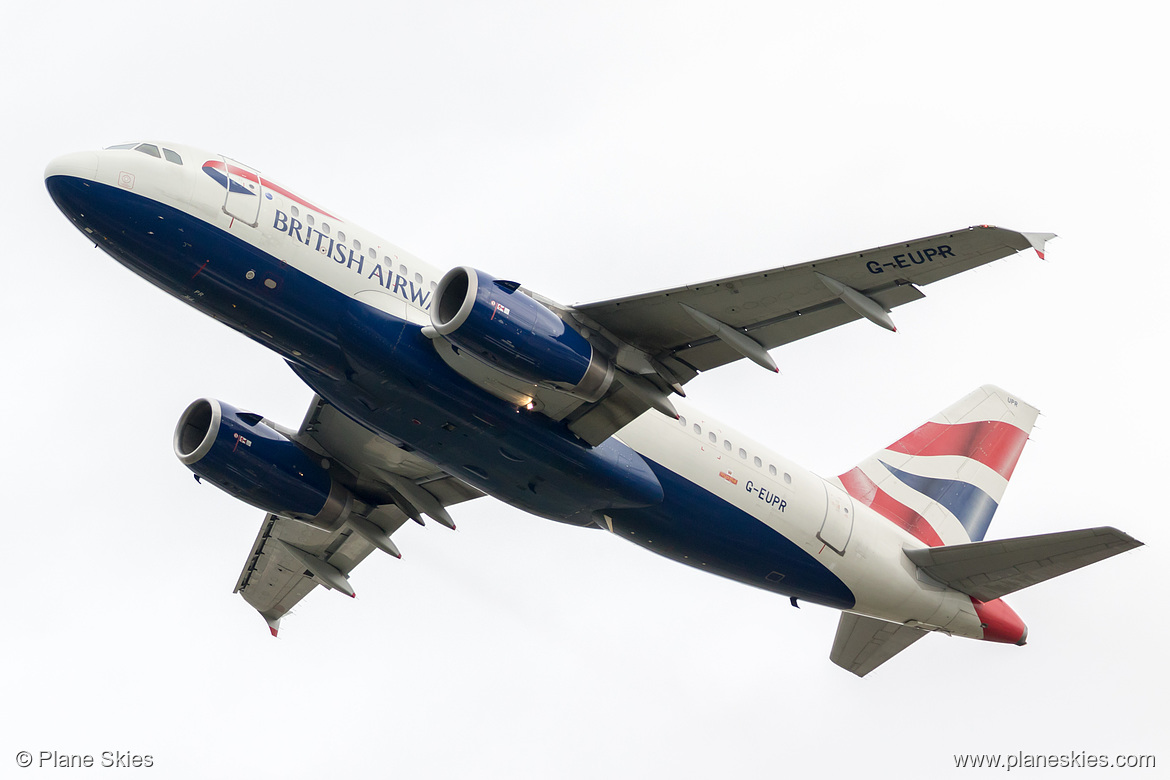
column 243, row 192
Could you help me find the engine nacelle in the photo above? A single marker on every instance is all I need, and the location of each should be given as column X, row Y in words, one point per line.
column 241, row 455
column 506, row 328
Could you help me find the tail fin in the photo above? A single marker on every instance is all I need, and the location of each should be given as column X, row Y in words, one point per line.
column 944, row 480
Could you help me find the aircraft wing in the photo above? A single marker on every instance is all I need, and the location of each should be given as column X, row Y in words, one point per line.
column 667, row 337
column 289, row 559
column 863, row 643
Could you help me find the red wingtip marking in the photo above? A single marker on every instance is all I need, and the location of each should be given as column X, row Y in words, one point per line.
column 1041, row 254
column 353, row 595
column 273, row 630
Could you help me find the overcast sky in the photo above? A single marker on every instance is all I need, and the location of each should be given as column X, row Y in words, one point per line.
column 588, row 150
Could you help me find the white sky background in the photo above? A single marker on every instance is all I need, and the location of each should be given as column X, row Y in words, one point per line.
column 588, row 151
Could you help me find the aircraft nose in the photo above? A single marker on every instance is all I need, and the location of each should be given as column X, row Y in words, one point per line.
column 78, row 164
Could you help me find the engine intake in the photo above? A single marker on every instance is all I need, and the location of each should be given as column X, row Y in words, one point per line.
column 241, row 455
column 505, row 327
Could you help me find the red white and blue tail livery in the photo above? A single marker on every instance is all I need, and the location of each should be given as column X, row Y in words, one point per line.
column 944, row 480
column 434, row 388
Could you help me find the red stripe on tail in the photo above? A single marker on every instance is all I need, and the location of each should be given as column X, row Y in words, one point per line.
column 996, row 445
column 862, row 488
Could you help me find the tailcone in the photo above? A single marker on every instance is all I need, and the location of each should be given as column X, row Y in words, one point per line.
column 1000, row 622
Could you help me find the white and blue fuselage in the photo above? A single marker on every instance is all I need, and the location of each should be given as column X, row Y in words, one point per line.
column 347, row 309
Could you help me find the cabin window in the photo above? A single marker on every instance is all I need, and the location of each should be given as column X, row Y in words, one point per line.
column 682, row 421
column 310, row 220
column 759, row 463
column 173, row 157
column 295, row 211
column 698, row 429
column 402, row 271
column 742, row 453
column 357, row 245
column 712, row 437
column 771, row 469
column 787, row 478
column 373, row 255
column 727, row 445
column 418, row 279
column 325, row 228
column 340, row 237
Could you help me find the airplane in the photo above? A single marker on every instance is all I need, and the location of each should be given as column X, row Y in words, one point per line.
column 434, row 388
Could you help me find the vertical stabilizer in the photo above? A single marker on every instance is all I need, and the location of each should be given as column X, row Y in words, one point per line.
column 944, row 480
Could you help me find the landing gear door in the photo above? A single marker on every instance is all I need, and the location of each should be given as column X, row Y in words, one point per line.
column 243, row 192
column 838, row 525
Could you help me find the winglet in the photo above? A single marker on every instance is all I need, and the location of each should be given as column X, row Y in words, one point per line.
column 273, row 624
column 1037, row 240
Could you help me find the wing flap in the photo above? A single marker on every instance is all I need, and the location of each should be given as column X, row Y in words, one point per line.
column 611, row 414
column 862, row 644
column 993, row 569
column 274, row 579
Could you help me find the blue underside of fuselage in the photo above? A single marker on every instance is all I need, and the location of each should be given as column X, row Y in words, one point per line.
column 696, row 527
column 383, row 372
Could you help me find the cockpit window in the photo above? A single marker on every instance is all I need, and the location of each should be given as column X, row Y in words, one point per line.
column 152, row 150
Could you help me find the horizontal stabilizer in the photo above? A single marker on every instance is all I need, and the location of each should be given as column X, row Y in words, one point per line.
column 990, row 570
column 863, row 643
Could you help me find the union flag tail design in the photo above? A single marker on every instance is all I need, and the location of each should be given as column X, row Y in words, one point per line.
column 943, row 481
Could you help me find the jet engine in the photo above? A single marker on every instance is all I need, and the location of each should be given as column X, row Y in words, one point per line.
column 506, row 328
column 242, row 455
